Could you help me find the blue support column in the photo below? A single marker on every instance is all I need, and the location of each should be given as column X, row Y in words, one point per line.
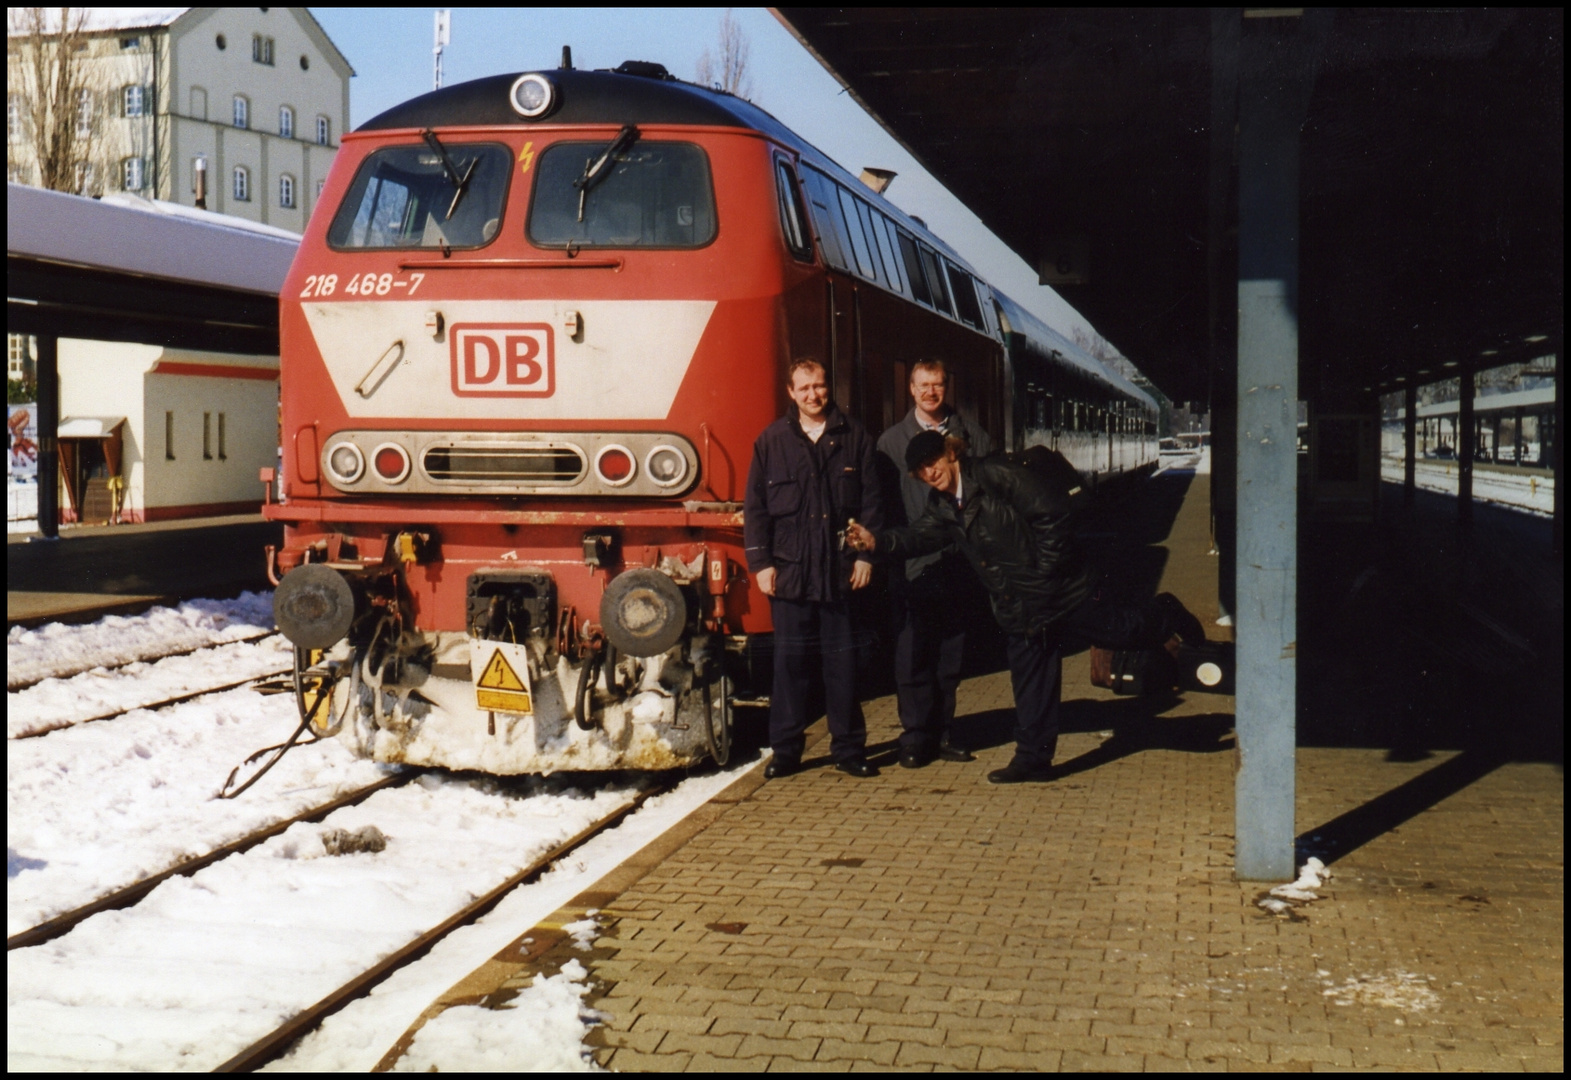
column 1276, row 73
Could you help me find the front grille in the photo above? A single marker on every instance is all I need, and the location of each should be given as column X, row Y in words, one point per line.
column 519, row 464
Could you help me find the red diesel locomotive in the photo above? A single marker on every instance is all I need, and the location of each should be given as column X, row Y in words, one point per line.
column 527, row 344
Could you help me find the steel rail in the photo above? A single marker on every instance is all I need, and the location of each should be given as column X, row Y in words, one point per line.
column 278, row 1042
column 131, row 894
column 161, row 704
column 12, row 688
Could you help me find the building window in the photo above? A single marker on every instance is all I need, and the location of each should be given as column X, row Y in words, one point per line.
column 13, row 119
column 207, row 436
column 134, row 98
column 84, row 177
column 131, row 174
column 223, row 454
column 130, row 43
column 323, row 130
column 242, row 112
column 84, row 112
column 286, row 122
column 169, row 436
column 242, row 189
column 18, row 356
column 319, row 185
column 261, row 49
column 286, row 191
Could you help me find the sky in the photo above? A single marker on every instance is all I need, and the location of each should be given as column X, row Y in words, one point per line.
column 390, row 50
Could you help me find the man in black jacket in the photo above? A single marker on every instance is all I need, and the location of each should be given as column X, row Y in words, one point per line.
column 935, row 595
column 1014, row 529
column 812, row 474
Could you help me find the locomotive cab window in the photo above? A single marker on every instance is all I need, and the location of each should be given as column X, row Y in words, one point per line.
column 792, row 219
column 430, row 195
column 649, row 194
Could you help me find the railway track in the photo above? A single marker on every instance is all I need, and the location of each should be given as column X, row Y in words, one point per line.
column 131, row 894
column 278, row 1042
column 14, row 687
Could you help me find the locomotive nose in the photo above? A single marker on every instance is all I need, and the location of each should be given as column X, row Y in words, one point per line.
column 314, row 606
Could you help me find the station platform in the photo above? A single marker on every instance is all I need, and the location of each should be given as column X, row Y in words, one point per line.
column 93, row 571
column 927, row 920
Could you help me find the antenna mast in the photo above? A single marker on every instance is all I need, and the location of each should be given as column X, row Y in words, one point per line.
column 444, row 28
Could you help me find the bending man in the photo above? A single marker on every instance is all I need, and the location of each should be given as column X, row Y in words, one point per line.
column 1013, row 527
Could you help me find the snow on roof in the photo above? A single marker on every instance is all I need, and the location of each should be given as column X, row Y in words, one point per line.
column 129, row 235
column 99, row 19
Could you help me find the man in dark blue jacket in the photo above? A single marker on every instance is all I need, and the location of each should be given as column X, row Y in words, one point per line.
column 812, row 474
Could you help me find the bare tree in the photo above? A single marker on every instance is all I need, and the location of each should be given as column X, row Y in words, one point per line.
column 729, row 71
column 54, row 101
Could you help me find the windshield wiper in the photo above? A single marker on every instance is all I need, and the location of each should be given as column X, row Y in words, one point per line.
column 461, row 182
column 598, row 169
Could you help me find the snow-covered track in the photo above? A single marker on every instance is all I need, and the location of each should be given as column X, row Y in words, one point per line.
column 129, row 895
column 65, row 673
column 162, row 703
column 276, row 1043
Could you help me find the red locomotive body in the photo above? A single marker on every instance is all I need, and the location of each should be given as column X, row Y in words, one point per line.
column 527, row 345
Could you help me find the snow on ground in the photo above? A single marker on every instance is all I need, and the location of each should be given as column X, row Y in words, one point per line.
column 58, row 650
column 206, row 965
column 57, row 703
column 541, row 1030
column 1193, row 461
column 1518, row 490
column 93, row 808
column 355, row 1038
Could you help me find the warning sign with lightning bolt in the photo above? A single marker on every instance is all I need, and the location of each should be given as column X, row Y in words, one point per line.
column 501, row 675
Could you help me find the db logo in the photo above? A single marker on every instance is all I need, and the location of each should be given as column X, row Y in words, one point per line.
column 503, row 359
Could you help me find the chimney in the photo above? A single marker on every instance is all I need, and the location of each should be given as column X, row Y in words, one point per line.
column 878, row 179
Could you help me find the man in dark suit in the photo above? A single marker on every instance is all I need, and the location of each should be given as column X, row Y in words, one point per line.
column 812, row 474
column 935, row 595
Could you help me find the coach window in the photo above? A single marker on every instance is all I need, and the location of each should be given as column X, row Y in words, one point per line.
column 935, row 280
column 652, row 194
column 870, row 230
column 911, row 262
column 864, row 260
column 242, row 112
column 826, row 217
column 884, row 232
column 965, row 296
column 405, row 197
column 791, row 215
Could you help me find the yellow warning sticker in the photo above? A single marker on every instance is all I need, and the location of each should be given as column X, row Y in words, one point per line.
column 501, row 675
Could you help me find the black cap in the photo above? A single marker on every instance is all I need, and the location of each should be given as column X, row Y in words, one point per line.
column 924, row 449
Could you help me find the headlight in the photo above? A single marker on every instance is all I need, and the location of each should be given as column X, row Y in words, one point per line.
column 666, row 466
column 532, row 96
column 346, row 463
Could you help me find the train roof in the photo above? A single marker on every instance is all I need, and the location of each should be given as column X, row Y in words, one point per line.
column 1043, row 339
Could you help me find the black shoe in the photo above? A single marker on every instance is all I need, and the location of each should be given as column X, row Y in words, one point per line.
column 946, row 752
column 778, row 767
column 856, row 767
column 1016, row 773
column 913, row 759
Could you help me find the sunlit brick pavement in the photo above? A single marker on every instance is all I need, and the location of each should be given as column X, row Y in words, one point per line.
column 928, row 920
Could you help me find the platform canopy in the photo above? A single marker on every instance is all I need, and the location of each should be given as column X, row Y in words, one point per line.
column 123, row 268
column 1431, row 183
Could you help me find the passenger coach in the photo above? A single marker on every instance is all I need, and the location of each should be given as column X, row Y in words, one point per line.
column 528, row 342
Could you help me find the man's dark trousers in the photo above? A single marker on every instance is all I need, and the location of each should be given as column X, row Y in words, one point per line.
column 929, row 651
column 814, row 639
column 1036, row 668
